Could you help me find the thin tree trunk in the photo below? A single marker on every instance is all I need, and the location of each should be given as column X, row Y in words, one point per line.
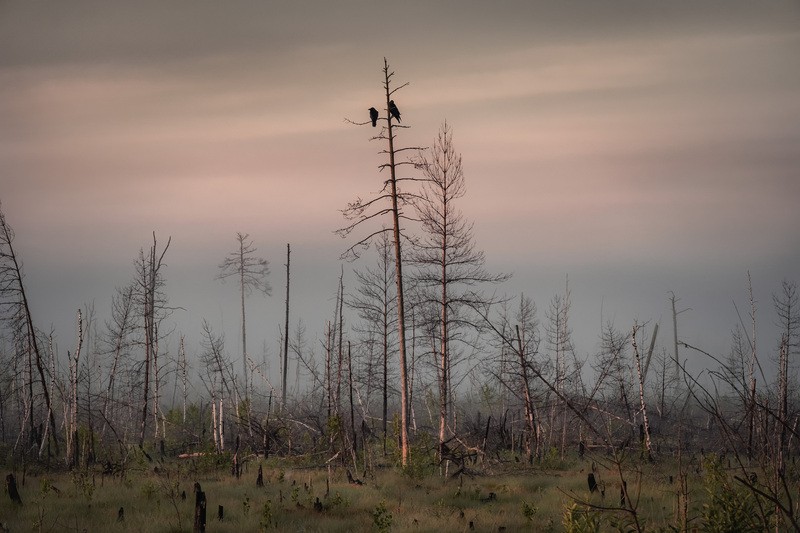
column 286, row 330
column 385, row 358
column 401, row 326
column 444, row 375
column 529, row 410
column 645, row 421
column 752, row 394
column 340, row 356
column 244, row 328
column 182, row 355
column 352, row 408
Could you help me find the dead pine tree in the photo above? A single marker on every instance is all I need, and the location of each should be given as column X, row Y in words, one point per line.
column 250, row 273
column 449, row 268
column 389, row 202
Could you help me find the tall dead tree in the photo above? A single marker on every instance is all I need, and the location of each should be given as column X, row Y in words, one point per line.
column 450, row 270
column 14, row 306
column 361, row 211
column 152, row 303
column 251, row 274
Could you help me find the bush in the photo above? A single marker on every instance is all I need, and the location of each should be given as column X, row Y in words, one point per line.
column 730, row 508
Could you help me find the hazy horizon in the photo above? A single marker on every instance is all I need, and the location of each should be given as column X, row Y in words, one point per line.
column 638, row 149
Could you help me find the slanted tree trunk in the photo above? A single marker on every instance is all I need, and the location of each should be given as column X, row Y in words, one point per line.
column 12, row 283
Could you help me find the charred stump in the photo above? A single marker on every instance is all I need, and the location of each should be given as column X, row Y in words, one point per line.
column 592, row 482
column 11, row 487
column 199, row 510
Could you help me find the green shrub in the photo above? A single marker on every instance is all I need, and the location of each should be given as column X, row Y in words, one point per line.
column 581, row 520
column 730, row 508
column 382, row 518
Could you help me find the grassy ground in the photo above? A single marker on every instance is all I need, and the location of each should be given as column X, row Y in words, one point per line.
column 513, row 497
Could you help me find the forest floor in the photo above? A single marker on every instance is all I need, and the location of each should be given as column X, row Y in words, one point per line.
column 504, row 496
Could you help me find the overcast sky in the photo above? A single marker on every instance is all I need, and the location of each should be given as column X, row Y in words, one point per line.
column 638, row 147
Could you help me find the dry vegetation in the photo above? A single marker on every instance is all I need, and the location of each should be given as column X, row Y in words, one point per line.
column 510, row 496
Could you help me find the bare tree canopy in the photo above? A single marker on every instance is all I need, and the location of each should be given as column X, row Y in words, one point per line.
column 251, row 270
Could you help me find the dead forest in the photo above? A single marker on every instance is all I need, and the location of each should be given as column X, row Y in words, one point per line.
column 424, row 363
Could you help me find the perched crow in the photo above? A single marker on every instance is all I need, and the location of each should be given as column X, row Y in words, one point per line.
column 394, row 111
column 373, row 115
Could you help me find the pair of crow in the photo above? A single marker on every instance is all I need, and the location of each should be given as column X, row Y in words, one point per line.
column 373, row 113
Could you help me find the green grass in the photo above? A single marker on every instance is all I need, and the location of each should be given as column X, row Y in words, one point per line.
column 525, row 499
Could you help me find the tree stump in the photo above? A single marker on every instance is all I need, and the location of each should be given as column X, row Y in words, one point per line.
column 592, row 482
column 11, row 487
column 220, row 513
column 260, row 478
column 199, row 510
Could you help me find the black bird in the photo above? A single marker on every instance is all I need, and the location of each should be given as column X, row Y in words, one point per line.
column 373, row 115
column 394, row 111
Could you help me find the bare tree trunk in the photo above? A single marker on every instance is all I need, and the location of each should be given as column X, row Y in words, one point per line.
column 529, row 408
column 46, row 435
column 185, row 381
column 340, row 353
column 148, row 279
column 645, row 421
column 398, row 261
column 352, row 408
column 328, row 355
column 286, row 330
column 148, row 283
column 752, row 376
column 444, row 370
column 676, row 360
column 214, row 428
column 385, row 359
column 244, row 322
column 221, row 425
column 156, row 383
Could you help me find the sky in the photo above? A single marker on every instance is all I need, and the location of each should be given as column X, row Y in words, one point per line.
column 636, row 147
